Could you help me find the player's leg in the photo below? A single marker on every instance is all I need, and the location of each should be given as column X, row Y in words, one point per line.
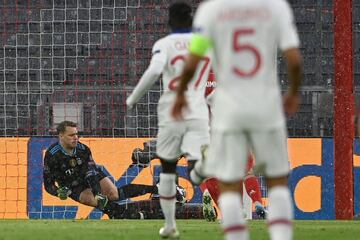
column 252, row 186
column 84, row 195
column 253, row 189
column 168, row 150
column 143, row 209
column 212, row 186
column 109, row 189
column 194, row 144
column 135, row 190
column 227, row 160
column 87, row 197
column 167, row 194
column 92, row 181
column 271, row 151
column 195, row 140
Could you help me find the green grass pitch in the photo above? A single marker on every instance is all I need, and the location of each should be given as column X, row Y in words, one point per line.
column 148, row 229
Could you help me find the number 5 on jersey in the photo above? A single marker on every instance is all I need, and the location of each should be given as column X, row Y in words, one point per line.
column 238, row 47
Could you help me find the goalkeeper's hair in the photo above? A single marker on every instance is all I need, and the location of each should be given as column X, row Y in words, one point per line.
column 62, row 126
column 180, row 16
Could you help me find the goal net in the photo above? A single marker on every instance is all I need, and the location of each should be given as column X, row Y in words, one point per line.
column 78, row 60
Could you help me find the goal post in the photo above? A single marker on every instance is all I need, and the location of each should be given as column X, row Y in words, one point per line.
column 343, row 109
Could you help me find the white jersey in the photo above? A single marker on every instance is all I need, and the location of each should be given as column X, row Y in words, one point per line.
column 245, row 35
column 171, row 51
column 169, row 54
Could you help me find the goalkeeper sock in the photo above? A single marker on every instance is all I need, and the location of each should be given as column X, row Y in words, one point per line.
column 233, row 223
column 135, row 190
column 280, row 213
column 167, row 192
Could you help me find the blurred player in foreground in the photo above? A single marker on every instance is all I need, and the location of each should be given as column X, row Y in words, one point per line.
column 70, row 171
column 210, row 186
column 245, row 36
column 176, row 138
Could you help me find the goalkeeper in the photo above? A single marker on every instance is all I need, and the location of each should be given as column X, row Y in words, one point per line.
column 70, row 171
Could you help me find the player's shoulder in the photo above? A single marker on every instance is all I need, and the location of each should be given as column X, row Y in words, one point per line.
column 280, row 7
column 210, row 5
column 159, row 45
column 168, row 39
column 161, row 42
column 206, row 12
column 82, row 147
column 53, row 149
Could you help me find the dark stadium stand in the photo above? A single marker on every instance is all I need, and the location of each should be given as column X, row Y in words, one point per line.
column 94, row 52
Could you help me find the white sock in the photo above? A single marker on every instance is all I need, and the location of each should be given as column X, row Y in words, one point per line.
column 167, row 192
column 280, row 213
column 195, row 178
column 197, row 174
column 233, row 222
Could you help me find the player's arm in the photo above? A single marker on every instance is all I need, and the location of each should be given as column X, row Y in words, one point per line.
column 197, row 50
column 294, row 69
column 91, row 173
column 48, row 175
column 150, row 76
column 289, row 44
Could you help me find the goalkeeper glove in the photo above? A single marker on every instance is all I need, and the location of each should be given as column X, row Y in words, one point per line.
column 102, row 201
column 63, row 193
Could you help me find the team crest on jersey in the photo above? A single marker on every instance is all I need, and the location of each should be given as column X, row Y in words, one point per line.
column 79, row 161
column 72, row 162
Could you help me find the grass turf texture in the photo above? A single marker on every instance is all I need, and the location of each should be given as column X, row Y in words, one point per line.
column 148, row 229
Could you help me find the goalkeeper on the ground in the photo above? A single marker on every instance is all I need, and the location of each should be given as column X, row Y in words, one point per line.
column 70, row 171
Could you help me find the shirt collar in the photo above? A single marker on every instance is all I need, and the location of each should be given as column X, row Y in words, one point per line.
column 181, row 30
column 66, row 153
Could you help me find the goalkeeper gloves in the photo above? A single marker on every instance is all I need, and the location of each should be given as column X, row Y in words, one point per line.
column 63, row 192
column 102, row 201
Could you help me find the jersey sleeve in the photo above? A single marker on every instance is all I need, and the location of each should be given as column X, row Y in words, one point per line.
column 91, row 164
column 92, row 172
column 152, row 73
column 49, row 175
column 158, row 54
column 287, row 29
